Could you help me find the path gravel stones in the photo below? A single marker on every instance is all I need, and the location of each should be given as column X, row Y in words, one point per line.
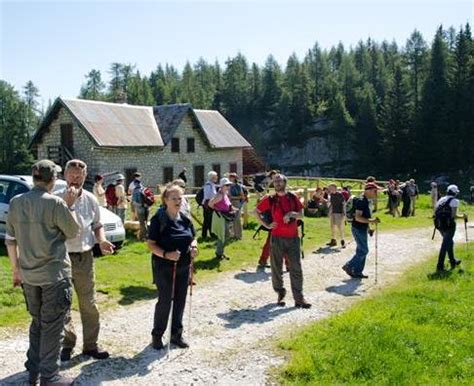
column 235, row 322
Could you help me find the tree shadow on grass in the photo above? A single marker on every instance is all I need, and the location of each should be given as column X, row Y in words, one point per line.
column 348, row 288
column 134, row 293
column 264, row 314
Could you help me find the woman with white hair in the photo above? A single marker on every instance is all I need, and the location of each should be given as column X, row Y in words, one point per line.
column 210, row 190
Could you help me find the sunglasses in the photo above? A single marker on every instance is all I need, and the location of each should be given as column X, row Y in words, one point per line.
column 76, row 164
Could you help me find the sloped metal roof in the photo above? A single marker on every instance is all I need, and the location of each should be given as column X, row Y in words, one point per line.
column 219, row 132
column 168, row 118
column 113, row 124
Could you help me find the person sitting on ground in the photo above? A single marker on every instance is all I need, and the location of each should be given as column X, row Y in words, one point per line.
column 99, row 191
column 336, row 215
column 171, row 240
column 318, row 205
column 447, row 246
column 223, row 212
column 286, row 210
column 360, row 230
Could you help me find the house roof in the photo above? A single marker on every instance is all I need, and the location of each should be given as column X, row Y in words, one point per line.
column 218, row 132
column 122, row 125
column 109, row 124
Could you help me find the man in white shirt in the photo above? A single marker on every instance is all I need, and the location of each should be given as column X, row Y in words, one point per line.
column 210, row 190
column 87, row 211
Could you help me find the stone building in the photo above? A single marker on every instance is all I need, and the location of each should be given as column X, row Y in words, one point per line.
column 156, row 141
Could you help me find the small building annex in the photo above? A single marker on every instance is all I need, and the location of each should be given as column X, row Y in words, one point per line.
column 157, row 141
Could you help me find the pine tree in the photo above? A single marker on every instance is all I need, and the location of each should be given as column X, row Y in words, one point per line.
column 416, row 53
column 94, row 87
column 116, row 91
column 342, row 130
column 32, row 113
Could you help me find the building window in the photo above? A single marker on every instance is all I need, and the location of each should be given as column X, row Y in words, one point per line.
column 217, row 169
column 190, row 145
column 175, row 145
column 233, row 167
column 168, row 174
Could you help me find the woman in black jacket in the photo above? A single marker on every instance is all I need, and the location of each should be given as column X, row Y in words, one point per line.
column 171, row 239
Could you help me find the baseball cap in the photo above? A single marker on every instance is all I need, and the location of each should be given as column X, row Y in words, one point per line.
column 45, row 170
column 453, row 189
column 372, row 185
column 224, row 181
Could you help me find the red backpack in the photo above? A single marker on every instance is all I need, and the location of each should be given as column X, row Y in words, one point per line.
column 110, row 196
column 148, row 197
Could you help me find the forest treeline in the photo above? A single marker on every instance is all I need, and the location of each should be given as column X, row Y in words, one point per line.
column 399, row 110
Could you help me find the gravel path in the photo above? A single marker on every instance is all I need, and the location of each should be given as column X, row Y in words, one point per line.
column 235, row 322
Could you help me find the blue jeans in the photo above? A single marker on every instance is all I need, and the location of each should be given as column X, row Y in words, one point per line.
column 357, row 263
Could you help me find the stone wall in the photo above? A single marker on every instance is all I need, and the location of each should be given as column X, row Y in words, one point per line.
column 149, row 161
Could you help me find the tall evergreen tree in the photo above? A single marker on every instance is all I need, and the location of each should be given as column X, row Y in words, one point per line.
column 342, row 130
column 94, row 87
column 416, row 54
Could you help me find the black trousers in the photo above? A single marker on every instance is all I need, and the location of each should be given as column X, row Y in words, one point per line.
column 447, row 246
column 206, row 225
column 163, row 275
column 406, row 207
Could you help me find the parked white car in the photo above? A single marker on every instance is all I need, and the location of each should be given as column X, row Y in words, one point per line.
column 11, row 186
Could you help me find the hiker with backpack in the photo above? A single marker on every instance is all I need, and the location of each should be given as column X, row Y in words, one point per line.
column 142, row 199
column 223, row 214
column 238, row 197
column 171, row 239
column 110, row 198
column 336, row 215
column 208, row 191
column 358, row 213
column 286, row 209
column 122, row 200
column 446, row 213
column 413, row 194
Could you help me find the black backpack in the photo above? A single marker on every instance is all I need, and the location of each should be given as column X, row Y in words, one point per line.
column 443, row 218
column 199, row 196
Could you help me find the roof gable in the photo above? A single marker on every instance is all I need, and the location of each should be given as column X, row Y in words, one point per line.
column 168, row 118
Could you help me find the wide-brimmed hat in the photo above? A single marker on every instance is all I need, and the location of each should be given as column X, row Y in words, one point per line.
column 224, row 181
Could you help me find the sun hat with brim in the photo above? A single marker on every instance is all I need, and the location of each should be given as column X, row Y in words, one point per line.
column 372, row 185
column 224, row 181
column 453, row 189
column 45, row 170
column 119, row 177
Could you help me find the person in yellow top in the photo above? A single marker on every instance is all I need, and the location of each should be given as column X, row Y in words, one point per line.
column 99, row 191
column 121, row 195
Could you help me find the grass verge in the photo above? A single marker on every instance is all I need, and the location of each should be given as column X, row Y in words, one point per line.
column 416, row 332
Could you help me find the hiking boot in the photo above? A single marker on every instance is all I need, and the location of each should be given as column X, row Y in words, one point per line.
column 455, row 264
column 96, row 353
column 179, row 341
column 343, row 244
column 348, row 270
column 57, row 381
column 281, row 297
column 332, row 243
column 261, row 268
column 302, row 304
column 157, row 343
column 360, row 276
column 66, row 354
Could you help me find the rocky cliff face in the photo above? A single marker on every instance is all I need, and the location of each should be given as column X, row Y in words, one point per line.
column 317, row 154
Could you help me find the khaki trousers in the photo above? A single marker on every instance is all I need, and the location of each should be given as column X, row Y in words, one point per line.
column 83, row 279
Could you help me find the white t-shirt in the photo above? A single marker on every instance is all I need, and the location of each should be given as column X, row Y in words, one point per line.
column 453, row 204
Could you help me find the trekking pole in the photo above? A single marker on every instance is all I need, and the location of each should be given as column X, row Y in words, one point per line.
column 170, row 318
column 467, row 240
column 376, row 251
column 191, row 283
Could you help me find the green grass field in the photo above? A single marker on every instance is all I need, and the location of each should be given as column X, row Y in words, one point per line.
column 416, row 332
column 125, row 278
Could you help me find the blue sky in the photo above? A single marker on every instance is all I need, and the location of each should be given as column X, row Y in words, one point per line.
column 56, row 43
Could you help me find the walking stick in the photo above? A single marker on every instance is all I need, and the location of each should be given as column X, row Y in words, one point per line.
column 170, row 318
column 191, row 276
column 376, row 251
column 467, row 240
